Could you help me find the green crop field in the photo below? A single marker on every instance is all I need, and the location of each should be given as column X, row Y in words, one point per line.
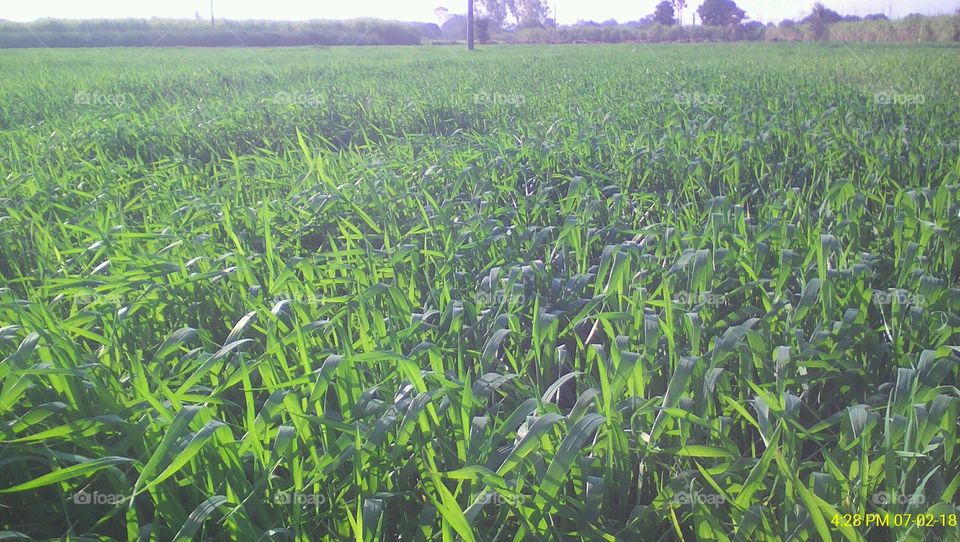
column 633, row 292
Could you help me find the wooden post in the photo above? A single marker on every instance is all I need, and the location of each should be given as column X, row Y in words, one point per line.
column 469, row 25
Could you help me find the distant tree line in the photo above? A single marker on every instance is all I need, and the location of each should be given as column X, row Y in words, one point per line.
column 503, row 21
column 723, row 20
column 823, row 24
column 528, row 21
column 226, row 33
column 636, row 32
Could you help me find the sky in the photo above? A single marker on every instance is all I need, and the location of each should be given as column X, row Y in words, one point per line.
column 567, row 11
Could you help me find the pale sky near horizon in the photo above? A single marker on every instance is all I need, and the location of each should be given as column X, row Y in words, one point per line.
column 567, row 11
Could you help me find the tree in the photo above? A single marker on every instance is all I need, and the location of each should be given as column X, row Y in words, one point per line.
column 482, row 27
column 720, row 13
column 752, row 30
column 875, row 17
column 663, row 13
column 525, row 13
column 533, row 13
column 819, row 18
column 495, row 10
column 678, row 6
column 646, row 22
column 824, row 14
column 455, row 27
column 442, row 14
column 428, row 30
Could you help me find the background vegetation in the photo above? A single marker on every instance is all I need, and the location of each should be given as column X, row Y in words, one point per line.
column 165, row 32
column 453, row 28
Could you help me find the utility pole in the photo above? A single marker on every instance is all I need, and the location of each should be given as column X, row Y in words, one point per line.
column 211, row 14
column 469, row 25
column 555, row 22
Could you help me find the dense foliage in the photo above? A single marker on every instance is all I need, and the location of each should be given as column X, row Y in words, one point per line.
column 566, row 293
column 943, row 29
column 664, row 14
column 720, row 13
column 164, row 32
column 658, row 27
